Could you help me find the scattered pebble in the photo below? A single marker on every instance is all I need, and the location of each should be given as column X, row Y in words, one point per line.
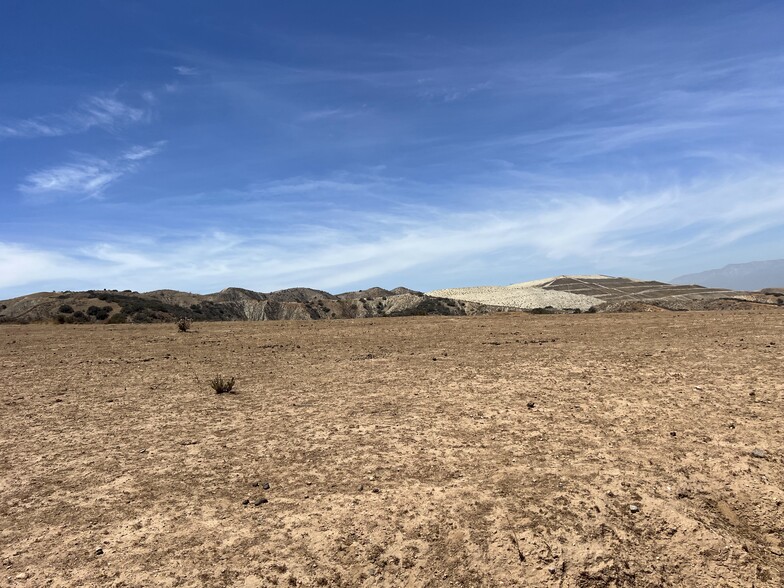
column 245, row 502
column 99, row 551
column 551, row 569
column 260, row 501
column 21, row 576
column 530, row 404
column 254, row 484
column 376, row 490
column 759, row 453
column 265, row 486
column 360, row 488
column 673, row 434
column 634, row 508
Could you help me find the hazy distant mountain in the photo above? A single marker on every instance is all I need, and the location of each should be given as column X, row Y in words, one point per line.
column 754, row 275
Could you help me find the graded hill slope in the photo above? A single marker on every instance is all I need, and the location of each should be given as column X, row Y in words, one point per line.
column 599, row 291
column 525, row 297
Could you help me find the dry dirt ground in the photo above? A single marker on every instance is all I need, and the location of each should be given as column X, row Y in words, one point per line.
column 398, row 452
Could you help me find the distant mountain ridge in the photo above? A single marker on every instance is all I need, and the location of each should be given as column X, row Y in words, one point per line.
column 754, row 275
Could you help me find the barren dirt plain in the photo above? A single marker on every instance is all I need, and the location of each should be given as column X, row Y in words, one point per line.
column 502, row 450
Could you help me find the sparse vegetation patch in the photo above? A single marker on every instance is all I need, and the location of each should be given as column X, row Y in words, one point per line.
column 222, row 385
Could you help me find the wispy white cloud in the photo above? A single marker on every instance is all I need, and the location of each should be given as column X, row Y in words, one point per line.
column 331, row 114
column 624, row 230
column 106, row 112
column 88, row 176
column 184, row 70
column 138, row 152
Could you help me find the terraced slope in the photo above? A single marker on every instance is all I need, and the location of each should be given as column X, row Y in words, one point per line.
column 605, row 292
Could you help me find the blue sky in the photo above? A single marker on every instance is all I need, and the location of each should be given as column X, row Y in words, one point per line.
column 197, row 145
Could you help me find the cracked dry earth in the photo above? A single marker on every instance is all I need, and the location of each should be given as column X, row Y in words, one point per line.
column 505, row 450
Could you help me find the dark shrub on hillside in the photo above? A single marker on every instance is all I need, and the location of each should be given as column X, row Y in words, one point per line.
column 65, row 308
column 117, row 319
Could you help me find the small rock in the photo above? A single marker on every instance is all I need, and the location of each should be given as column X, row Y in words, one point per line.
column 698, row 388
column 21, row 576
column 254, row 484
column 673, row 434
column 260, row 501
column 245, row 502
column 265, row 486
column 752, row 393
column 634, row 508
column 376, row 490
column 360, row 488
column 759, row 453
column 99, row 551
column 551, row 569
column 530, row 404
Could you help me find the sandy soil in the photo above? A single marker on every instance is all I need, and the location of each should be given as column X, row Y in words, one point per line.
column 519, row 297
column 503, row 450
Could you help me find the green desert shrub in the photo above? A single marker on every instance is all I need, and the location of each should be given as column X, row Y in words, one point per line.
column 65, row 309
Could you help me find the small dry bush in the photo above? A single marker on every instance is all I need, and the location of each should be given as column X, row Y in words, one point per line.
column 184, row 325
column 222, row 385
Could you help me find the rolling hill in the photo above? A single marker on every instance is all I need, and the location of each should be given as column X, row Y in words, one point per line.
column 231, row 304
